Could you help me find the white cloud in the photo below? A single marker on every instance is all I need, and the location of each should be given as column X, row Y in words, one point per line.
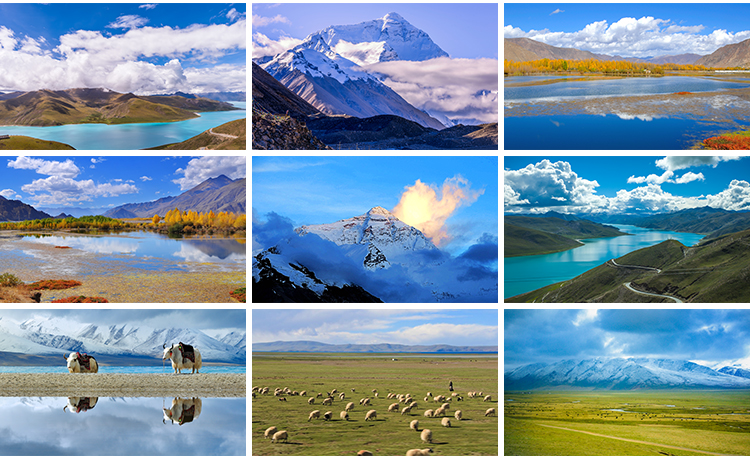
column 264, row 46
column 148, row 6
column 675, row 163
column 56, row 168
column 646, row 36
column 735, row 197
column 690, row 177
column 651, row 198
column 260, row 21
column 512, row 197
column 652, row 178
column 7, row 193
column 234, row 15
column 225, row 77
column 57, row 190
column 456, row 88
column 557, row 11
column 146, row 178
column 128, row 21
column 199, row 170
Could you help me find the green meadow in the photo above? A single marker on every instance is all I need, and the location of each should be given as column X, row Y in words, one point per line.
column 651, row 423
column 389, row 433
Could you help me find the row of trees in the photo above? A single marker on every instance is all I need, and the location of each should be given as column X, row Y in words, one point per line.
column 513, row 68
column 95, row 221
column 202, row 219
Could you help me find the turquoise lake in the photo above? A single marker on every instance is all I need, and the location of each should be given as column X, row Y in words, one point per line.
column 524, row 274
column 128, row 136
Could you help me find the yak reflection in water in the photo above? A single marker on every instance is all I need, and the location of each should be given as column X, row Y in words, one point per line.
column 183, row 410
column 79, row 404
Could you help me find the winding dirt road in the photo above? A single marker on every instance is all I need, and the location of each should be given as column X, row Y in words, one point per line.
column 676, row 300
column 226, row 136
column 636, row 267
column 636, row 441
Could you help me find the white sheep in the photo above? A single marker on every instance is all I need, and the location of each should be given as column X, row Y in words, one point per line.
column 328, row 401
column 447, row 406
column 327, row 415
column 270, row 431
column 488, row 398
column 314, row 415
column 364, row 452
column 344, row 415
column 393, row 407
column 458, row 415
column 419, row 452
column 426, row 436
column 429, row 394
column 280, row 435
column 414, row 425
column 342, row 396
column 349, row 406
column 413, row 405
column 439, row 412
column 372, row 414
column 365, row 402
column 311, row 401
column 428, row 414
column 303, row 393
column 407, row 409
column 489, row 412
column 446, row 422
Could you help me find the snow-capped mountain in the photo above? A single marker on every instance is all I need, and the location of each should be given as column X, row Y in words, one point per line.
column 385, row 236
column 388, row 38
column 325, row 68
column 621, row 374
column 44, row 335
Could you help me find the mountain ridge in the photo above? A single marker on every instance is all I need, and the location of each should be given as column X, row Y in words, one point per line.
column 16, row 211
column 315, row 346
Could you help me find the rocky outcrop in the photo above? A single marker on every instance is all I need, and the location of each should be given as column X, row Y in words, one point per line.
column 281, row 132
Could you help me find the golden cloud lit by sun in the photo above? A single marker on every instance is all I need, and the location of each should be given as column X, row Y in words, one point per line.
column 421, row 208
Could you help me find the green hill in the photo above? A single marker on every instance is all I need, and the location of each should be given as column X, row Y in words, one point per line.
column 22, row 142
column 575, row 229
column 715, row 271
column 702, row 220
column 228, row 136
column 521, row 241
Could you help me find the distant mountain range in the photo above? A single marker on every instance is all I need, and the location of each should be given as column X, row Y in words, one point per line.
column 16, row 211
column 313, row 346
column 218, row 194
column 526, row 49
column 624, row 374
column 711, row 221
column 55, row 336
column 98, row 105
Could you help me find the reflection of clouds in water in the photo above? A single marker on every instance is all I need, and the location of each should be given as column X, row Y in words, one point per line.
column 623, row 116
column 122, row 426
column 92, row 244
column 188, row 253
column 53, row 263
column 211, row 251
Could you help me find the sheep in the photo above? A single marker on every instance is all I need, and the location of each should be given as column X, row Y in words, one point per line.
column 479, row 394
column 407, row 409
column 364, row 452
column 413, row 404
column 419, row 452
column 333, row 391
column 365, row 402
column 427, row 399
column 319, row 395
column 311, row 401
column 277, row 392
column 376, row 395
column 342, row 396
column 374, row 391
column 328, row 401
column 371, row 415
column 429, row 394
column 280, row 435
column 488, row 398
column 458, row 415
column 282, row 399
column 454, row 394
column 393, row 407
column 314, row 415
column 327, row 415
column 408, row 400
column 439, row 412
column 344, row 415
column 426, row 436
column 428, row 414
column 414, row 425
column 446, row 422
column 361, row 400
column 459, row 399
column 447, row 406
column 349, row 406
column 303, row 393
column 270, row 431
column 489, row 412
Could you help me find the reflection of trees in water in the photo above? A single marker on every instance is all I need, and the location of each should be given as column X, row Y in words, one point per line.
column 220, row 248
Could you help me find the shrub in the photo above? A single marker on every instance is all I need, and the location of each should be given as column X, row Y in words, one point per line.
column 55, row 284
column 81, row 299
column 9, row 280
column 239, row 295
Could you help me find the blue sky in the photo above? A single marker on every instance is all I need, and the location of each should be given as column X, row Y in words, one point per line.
column 640, row 29
column 463, row 30
column 102, row 182
column 315, row 190
column 704, row 336
column 463, row 327
column 126, row 47
column 625, row 184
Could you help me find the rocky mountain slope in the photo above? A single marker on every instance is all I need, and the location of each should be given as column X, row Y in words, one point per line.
column 734, row 55
column 89, row 105
column 270, row 96
column 218, row 194
column 621, row 374
column 281, row 132
column 16, row 211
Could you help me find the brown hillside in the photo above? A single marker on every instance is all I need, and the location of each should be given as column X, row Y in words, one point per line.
column 273, row 97
column 522, row 46
column 736, row 55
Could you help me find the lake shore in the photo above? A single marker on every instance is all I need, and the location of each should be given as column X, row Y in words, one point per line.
column 122, row 385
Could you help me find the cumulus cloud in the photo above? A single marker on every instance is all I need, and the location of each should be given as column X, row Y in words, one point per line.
column 650, row 198
column 148, row 6
column 57, row 190
column 456, row 88
column 641, row 37
column 260, row 21
column 675, row 163
column 128, row 21
column 667, row 177
column 264, row 46
column 121, row 62
column 735, row 197
column 7, row 193
column 201, row 169
column 146, row 178
column 40, row 166
column 421, row 207
column 224, row 77
column 234, row 15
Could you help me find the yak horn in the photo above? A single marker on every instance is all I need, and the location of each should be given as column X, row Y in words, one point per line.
column 64, row 408
column 65, row 357
column 164, row 346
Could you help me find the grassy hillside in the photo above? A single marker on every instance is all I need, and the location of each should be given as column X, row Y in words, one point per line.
column 575, row 229
column 715, row 271
column 22, row 142
column 521, row 241
column 703, row 220
column 211, row 141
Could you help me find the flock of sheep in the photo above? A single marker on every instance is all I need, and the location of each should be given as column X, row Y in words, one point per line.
column 406, row 400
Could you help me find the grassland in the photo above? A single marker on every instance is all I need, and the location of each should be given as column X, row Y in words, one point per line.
column 611, row 423
column 22, row 142
column 521, row 241
column 389, row 434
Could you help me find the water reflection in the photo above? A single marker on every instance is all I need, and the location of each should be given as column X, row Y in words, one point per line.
column 121, row 427
column 81, row 404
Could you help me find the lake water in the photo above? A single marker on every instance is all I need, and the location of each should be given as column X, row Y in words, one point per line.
column 611, row 114
column 150, row 249
column 39, row 426
column 128, row 136
column 220, row 369
column 524, row 274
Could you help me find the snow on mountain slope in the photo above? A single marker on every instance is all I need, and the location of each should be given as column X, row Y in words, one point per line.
column 617, row 373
